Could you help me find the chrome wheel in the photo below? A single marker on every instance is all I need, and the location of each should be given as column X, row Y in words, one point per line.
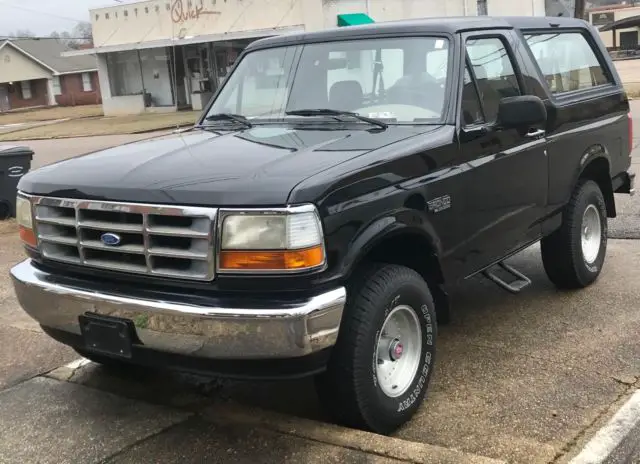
column 591, row 234
column 398, row 351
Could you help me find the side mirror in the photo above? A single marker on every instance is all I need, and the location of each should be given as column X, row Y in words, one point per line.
column 521, row 112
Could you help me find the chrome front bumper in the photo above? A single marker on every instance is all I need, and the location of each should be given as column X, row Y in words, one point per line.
column 282, row 331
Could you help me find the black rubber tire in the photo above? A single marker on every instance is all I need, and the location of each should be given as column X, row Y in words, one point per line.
column 5, row 210
column 349, row 389
column 562, row 255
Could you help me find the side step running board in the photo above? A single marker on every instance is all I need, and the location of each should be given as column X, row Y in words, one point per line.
column 521, row 281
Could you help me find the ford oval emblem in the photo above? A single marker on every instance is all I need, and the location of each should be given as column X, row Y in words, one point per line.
column 110, row 239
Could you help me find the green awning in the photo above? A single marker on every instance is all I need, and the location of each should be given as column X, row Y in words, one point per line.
column 354, row 19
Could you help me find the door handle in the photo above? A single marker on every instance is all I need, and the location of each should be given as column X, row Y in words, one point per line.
column 535, row 133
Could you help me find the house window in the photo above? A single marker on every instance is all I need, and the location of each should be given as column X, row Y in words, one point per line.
column 57, row 87
column 25, row 86
column 86, row 82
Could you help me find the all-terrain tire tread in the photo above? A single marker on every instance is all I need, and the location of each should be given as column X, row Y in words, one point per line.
column 337, row 393
column 558, row 249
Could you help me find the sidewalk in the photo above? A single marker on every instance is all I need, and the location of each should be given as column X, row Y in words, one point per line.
column 47, row 420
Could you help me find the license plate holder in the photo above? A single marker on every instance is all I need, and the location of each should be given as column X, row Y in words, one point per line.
column 108, row 335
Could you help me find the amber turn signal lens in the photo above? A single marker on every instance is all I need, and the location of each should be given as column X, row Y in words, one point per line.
column 28, row 237
column 271, row 260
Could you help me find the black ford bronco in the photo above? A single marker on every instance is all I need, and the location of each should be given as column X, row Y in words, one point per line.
column 336, row 185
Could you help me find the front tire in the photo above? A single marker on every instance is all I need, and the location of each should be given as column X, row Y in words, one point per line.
column 573, row 255
column 380, row 368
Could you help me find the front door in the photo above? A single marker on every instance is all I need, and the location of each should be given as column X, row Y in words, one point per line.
column 506, row 192
column 4, row 98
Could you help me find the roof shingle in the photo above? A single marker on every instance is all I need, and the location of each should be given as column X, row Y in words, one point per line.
column 48, row 51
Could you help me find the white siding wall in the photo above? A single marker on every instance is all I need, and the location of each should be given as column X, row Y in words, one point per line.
column 15, row 66
column 515, row 7
column 164, row 19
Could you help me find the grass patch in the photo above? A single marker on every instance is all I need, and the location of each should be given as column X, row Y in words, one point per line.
column 49, row 114
column 129, row 124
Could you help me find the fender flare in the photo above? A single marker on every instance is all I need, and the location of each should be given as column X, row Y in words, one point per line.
column 409, row 221
column 595, row 154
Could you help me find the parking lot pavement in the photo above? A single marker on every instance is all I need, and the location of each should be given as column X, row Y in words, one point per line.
column 520, row 378
column 523, row 378
column 52, row 420
column 25, row 350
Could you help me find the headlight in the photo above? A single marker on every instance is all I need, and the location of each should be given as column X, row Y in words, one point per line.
column 25, row 221
column 287, row 240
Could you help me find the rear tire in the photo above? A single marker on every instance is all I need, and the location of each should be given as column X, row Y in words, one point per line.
column 574, row 254
column 380, row 368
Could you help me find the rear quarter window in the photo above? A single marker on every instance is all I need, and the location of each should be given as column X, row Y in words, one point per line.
column 567, row 61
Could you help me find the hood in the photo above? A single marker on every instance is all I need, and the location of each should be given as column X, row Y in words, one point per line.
column 255, row 166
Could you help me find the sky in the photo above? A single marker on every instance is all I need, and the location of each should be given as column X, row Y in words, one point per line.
column 45, row 16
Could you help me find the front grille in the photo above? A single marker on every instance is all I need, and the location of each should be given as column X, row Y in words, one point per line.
column 165, row 241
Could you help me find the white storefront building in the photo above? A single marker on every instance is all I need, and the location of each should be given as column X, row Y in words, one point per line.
column 165, row 55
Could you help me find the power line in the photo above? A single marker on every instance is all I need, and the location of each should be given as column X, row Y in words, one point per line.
column 42, row 12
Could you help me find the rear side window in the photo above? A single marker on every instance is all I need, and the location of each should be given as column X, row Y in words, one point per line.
column 567, row 61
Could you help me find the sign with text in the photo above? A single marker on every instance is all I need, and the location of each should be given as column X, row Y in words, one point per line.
column 601, row 19
column 185, row 10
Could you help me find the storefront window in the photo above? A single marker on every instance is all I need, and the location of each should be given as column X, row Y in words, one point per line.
column 156, row 76
column 124, row 73
column 141, row 72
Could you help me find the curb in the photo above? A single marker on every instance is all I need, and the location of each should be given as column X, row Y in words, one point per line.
column 223, row 413
column 618, row 441
column 330, row 434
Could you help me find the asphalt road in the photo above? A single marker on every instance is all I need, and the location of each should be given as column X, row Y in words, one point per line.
column 525, row 378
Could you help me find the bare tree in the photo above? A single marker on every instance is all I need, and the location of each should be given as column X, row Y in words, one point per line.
column 83, row 29
column 21, row 34
column 80, row 34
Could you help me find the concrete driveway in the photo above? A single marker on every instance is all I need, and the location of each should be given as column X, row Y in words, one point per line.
column 520, row 378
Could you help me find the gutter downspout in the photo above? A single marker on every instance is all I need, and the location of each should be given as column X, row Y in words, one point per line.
column 464, row 8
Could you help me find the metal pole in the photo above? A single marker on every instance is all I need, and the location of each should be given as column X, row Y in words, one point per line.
column 579, row 9
column 144, row 91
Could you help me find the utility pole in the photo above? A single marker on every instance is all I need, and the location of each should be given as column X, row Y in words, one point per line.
column 579, row 9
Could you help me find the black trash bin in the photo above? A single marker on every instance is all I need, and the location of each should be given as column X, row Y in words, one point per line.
column 15, row 162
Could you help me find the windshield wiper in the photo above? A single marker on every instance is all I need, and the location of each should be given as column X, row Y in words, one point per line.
column 229, row 117
column 330, row 112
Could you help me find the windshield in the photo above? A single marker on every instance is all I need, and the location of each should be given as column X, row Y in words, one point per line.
column 399, row 80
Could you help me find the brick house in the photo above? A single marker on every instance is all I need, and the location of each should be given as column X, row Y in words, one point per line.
column 33, row 73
